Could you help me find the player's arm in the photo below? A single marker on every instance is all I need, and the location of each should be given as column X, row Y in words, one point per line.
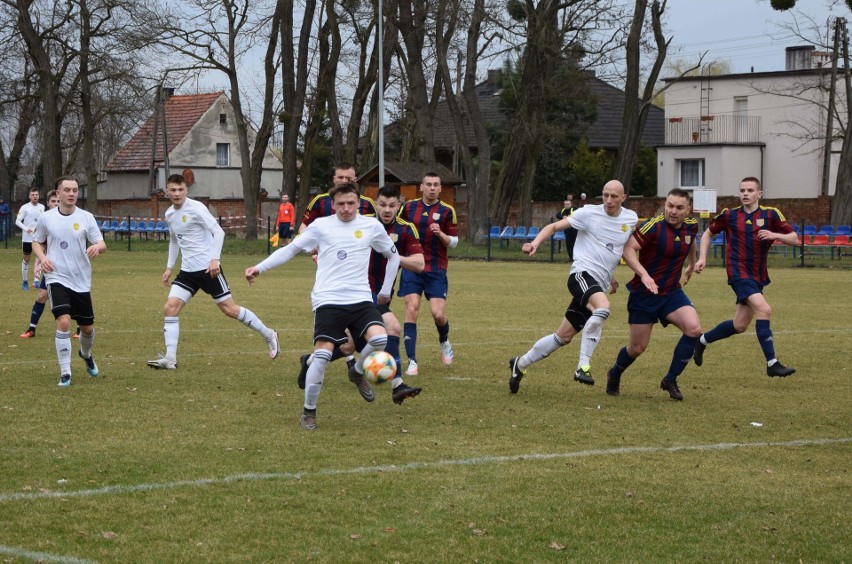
column 389, row 253
column 702, row 251
column 174, row 248
column 19, row 221
column 787, row 238
column 282, row 255
column 546, row 233
column 414, row 263
column 96, row 249
column 690, row 264
column 631, row 257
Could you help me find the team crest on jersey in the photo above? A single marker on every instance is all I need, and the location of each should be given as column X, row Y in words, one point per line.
column 358, row 233
column 394, row 237
column 687, row 239
column 63, row 245
column 624, row 228
column 183, row 218
column 76, row 227
column 341, row 254
column 760, row 222
column 436, row 216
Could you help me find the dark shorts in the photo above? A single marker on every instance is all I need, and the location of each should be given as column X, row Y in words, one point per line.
column 431, row 284
column 332, row 321
column 644, row 308
column 582, row 286
column 383, row 308
column 27, row 248
column 68, row 302
column 285, row 231
column 200, row 280
column 745, row 288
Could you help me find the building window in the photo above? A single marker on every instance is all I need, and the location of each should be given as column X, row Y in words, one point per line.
column 691, row 173
column 223, row 119
column 223, row 154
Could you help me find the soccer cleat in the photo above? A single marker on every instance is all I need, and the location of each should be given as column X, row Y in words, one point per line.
column 779, row 369
column 584, row 376
column 76, row 334
column 402, row 392
column 308, row 422
column 516, row 375
column 26, row 286
column 28, row 334
column 364, row 387
column 350, row 363
column 36, row 284
column 671, row 388
column 65, row 380
column 163, row 363
column 272, row 343
column 91, row 367
column 412, row 368
column 613, row 384
column 303, row 371
column 446, row 353
column 698, row 357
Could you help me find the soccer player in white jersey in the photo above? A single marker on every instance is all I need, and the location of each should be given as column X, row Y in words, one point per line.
column 341, row 297
column 65, row 261
column 27, row 220
column 603, row 230
column 195, row 233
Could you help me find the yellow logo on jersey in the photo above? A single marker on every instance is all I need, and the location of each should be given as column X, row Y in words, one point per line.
column 394, row 237
column 624, row 228
column 183, row 218
column 677, row 239
column 76, row 227
column 748, row 222
column 358, row 234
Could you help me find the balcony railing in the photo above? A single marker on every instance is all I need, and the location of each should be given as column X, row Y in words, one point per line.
column 712, row 129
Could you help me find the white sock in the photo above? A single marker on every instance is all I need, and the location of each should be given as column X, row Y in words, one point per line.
column 25, row 270
column 86, row 343
column 314, row 377
column 542, row 348
column 63, row 351
column 171, row 331
column 376, row 343
column 592, row 336
column 249, row 319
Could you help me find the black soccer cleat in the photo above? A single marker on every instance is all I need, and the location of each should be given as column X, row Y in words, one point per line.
column 361, row 383
column 780, row 370
column 672, row 389
column 515, row 376
column 584, row 377
column 303, row 371
column 698, row 357
column 613, row 384
column 403, row 392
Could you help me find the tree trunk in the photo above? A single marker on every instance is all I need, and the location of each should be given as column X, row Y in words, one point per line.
column 86, row 109
column 412, row 28
column 841, row 206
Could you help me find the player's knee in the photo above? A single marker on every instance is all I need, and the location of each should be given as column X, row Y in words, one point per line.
column 692, row 330
column 636, row 349
column 347, row 348
column 379, row 341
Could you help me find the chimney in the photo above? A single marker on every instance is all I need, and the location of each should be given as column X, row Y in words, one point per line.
column 799, row 57
column 168, row 92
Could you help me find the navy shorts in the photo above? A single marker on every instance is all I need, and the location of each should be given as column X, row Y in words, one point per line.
column 383, row 308
column 644, row 308
column 431, row 284
column 285, row 231
column 64, row 301
column 332, row 321
column 745, row 288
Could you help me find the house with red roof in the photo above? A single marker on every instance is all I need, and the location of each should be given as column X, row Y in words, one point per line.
column 194, row 135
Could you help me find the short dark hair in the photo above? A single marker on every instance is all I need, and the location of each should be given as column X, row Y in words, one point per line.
column 175, row 179
column 752, row 179
column 345, row 188
column 344, row 166
column 51, row 194
column 389, row 191
column 679, row 192
column 56, row 184
column 431, row 174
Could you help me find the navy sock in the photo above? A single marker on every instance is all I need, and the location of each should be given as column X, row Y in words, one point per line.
column 622, row 362
column 392, row 348
column 764, row 337
column 683, row 352
column 38, row 308
column 443, row 332
column 336, row 353
column 409, row 332
column 721, row 331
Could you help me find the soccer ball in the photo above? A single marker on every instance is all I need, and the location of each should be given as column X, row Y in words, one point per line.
column 379, row 367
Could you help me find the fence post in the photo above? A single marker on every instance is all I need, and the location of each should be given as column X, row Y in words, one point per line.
column 488, row 246
column 268, row 236
column 129, row 234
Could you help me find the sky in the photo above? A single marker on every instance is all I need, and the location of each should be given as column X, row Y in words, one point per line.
column 747, row 33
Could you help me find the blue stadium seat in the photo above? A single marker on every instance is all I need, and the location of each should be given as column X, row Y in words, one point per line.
column 797, row 229
column 717, row 242
column 826, row 230
column 141, row 228
column 122, row 229
column 533, row 233
column 162, row 228
column 843, row 230
column 506, row 235
column 810, row 230
column 105, row 226
column 494, row 232
column 520, row 232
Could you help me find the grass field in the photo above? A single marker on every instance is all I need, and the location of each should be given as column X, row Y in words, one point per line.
column 208, row 463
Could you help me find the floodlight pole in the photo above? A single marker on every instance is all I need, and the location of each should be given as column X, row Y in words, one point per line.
column 381, row 120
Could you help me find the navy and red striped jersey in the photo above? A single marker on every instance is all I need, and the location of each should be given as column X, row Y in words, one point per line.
column 422, row 216
column 663, row 250
column 320, row 206
column 745, row 254
column 404, row 235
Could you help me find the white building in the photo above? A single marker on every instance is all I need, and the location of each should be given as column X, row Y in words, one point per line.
column 771, row 125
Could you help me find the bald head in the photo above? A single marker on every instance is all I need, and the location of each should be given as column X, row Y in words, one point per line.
column 613, row 197
column 614, row 185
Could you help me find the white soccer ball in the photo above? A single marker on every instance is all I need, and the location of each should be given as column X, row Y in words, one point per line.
column 379, row 367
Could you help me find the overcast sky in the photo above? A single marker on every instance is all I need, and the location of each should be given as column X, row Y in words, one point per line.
column 744, row 32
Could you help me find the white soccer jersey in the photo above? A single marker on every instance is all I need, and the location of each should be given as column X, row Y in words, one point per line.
column 600, row 240
column 28, row 216
column 344, row 257
column 66, row 237
column 197, row 233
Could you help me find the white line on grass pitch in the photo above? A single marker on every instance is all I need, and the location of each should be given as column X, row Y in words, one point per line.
column 252, row 477
column 40, row 556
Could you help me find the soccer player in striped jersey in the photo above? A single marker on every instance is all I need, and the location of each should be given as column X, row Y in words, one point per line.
column 436, row 223
column 750, row 231
column 656, row 253
column 603, row 230
column 195, row 234
column 321, row 206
